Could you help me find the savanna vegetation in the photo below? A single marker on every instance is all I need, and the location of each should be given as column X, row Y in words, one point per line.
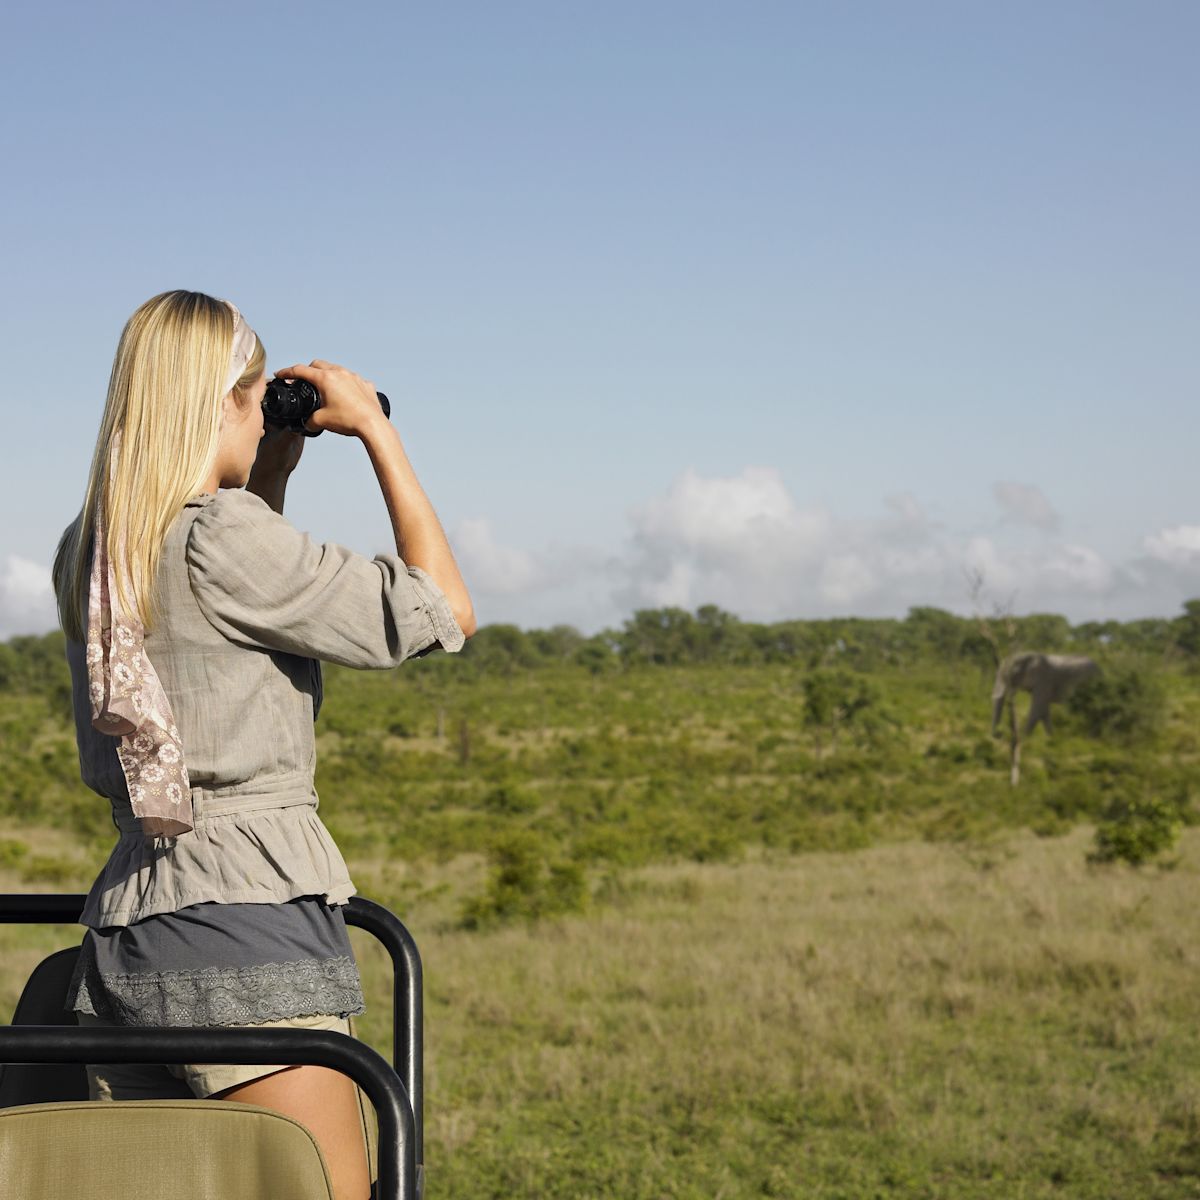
column 712, row 908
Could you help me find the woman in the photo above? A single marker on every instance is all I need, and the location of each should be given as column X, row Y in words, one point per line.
column 194, row 617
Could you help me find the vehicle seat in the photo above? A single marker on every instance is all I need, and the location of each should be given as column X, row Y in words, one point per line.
column 158, row 1150
column 43, row 1002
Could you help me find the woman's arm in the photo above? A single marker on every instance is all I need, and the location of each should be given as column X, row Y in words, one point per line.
column 278, row 453
column 349, row 406
column 420, row 540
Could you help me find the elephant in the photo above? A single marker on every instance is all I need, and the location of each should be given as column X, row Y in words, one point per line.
column 1047, row 677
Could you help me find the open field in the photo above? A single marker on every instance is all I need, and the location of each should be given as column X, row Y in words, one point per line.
column 652, row 765
column 998, row 1019
column 691, row 932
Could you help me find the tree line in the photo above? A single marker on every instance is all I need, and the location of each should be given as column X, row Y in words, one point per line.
column 675, row 637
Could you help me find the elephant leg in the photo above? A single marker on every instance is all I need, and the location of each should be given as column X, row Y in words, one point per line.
column 1039, row 709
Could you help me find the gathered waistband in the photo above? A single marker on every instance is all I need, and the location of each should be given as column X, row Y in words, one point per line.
column 212, row 804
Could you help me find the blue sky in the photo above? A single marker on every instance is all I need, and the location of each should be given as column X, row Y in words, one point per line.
column 796, row 308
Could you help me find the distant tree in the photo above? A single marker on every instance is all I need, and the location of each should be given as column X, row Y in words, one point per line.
column 783, row 641
column 1152, row 635
column 500, row 648
column 1099, row 633
column 1186, row 630
column 999, row 632
column 1043, row 631
column 662, row 636
column 557, row 644
column 720, row 636
column 997, row 627
column 598, row 654
column 933, row 631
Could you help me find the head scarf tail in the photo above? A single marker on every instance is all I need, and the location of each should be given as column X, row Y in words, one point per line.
column 128, row 700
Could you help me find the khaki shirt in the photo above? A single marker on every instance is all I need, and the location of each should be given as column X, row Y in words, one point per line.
column 246, row 605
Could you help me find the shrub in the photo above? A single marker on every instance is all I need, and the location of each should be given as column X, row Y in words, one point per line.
column 12, row 852
column 509, row 797
column 1126, row 702
column 525, row 883
column 838, row 699
column 1136, row 831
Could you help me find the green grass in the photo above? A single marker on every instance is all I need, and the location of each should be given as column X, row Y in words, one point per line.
column 991, row 1019
column 778, row 953
column 909, row 1020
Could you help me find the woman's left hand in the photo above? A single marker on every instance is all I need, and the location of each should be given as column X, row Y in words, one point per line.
column 279, row 453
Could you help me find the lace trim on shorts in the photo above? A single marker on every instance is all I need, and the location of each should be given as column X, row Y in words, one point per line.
column 226, row 995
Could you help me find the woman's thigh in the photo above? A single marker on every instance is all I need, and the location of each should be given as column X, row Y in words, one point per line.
column 186, row 1081
column 327, row 1103
column 131, row 1081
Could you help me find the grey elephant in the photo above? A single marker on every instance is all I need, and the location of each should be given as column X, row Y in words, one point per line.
column 1047, row 677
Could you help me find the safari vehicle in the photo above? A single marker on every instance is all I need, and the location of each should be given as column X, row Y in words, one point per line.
column 56, row 1144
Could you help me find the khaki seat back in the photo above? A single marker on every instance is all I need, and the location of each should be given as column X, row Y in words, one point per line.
column 43, row 1002
column 158, row 1150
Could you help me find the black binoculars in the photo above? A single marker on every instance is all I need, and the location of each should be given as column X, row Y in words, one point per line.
column 288, row 403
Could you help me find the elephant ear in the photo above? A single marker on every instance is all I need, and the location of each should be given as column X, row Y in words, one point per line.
column 1028, row 670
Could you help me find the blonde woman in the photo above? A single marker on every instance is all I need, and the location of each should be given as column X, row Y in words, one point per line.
column 196, row 616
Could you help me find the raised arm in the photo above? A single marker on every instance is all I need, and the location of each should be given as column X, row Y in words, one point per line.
column 349, row 406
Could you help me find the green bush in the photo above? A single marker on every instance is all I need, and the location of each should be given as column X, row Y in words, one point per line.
column 836, row 700
column 1126, row 702
column 1137, row 831
column 525, row 883
column 509, row 797
column 12, row 852
column 44, row 868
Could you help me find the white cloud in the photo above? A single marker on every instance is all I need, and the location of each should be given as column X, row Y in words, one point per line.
column 845, row 580
column 1177, row 546
column 537, row 589
column 26, row 597
column 743, row 542
column 907, row 508
column 1026, row 505
column 1079, row 568
column 485, row 564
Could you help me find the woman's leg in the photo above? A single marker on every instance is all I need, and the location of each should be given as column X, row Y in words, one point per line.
column 130, row 1081
column 326, row 1102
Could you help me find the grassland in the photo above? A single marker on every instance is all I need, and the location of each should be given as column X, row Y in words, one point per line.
column 776, row 956
column 916, row 1020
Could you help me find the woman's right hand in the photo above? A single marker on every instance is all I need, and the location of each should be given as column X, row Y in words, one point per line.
column 349, row 405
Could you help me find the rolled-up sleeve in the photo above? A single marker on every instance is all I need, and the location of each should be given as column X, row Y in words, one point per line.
column 260, row 581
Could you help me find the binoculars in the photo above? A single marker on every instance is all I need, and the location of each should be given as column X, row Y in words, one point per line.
column 289, row 403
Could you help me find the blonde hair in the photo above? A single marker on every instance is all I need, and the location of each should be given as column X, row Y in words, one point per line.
column 164, row 400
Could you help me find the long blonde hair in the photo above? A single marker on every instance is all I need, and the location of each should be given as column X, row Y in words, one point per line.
column 164, row 400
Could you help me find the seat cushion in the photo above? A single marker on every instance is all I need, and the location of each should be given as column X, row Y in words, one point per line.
column 158, row 1150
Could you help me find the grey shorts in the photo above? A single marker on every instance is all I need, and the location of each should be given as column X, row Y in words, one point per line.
column 188, row 1081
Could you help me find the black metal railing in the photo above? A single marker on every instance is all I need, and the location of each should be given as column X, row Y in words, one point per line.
column 323, row 1047
column 397, row 1094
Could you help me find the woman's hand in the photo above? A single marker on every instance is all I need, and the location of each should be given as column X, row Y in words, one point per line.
column 279, row 452
column 349, row 405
